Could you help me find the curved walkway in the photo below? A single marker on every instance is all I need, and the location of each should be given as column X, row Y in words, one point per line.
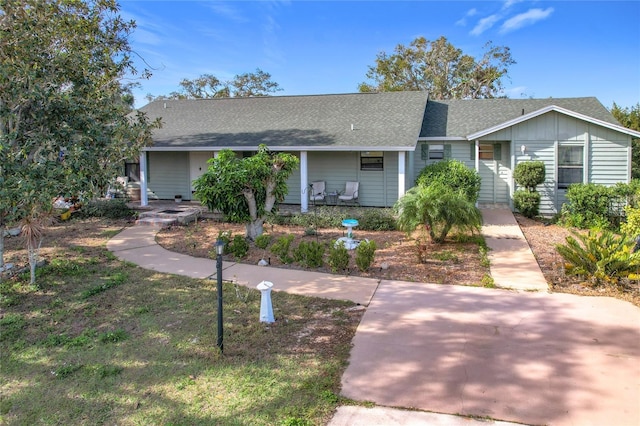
column 519, row 356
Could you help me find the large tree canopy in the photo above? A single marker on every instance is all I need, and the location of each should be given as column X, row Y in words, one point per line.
column 66, row 125
column 209, row 86
column 246, row 189
column 441, row 69
column 630, row 118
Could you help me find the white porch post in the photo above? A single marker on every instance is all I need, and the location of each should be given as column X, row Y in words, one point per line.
column 144, row 200
column 304, row 191
column 401, row 173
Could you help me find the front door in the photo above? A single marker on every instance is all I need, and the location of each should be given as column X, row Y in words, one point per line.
column 494, row 172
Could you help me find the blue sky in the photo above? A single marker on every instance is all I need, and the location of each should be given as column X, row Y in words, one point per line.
column 562, row 48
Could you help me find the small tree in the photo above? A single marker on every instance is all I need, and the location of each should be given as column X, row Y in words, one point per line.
column 246, row 190
column 439, row 208
column 528, row 174
column 453, row 174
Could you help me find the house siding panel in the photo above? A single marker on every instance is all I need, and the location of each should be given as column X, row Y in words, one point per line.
column 608, row 156
column 169, row 175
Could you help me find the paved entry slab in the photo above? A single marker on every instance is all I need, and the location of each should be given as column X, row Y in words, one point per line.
column 532, row 358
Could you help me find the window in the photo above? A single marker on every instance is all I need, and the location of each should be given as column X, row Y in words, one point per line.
column 372, row 160
column 486, row 151
column 435, row 152
column 570, row 165
column 132, row 171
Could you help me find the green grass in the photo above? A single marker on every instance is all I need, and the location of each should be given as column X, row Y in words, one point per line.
column 121, row 345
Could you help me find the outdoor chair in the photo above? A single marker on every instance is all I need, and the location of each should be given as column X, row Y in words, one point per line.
column 317, row 192
column 350, row 193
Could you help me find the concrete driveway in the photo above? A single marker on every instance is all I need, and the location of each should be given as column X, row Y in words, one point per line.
column 532, row 358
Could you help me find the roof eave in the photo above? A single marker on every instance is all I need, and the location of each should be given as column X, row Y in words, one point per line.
column 545, row 110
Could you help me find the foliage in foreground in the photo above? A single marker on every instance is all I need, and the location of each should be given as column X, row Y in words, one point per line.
column 101, row 339
column 592, row 205
column 439, row 209
column 528, row 175
column 246, row 190
column 602, row 258
column 453, row 174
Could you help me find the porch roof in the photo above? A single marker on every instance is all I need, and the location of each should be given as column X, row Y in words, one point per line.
column 359, row 121
column 462, row 118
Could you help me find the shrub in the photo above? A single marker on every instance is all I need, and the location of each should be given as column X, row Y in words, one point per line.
column 110, row 209
column 599, row 257
column 365, row 253
column 281, row 248
column 439, row 208
column 587, row 206
column 262, row 241
column 338, row 256
column 377, row 220
column 527, row 202
column 455, row 175
column 238, row 246
column 529, row 174
column 309, row 254
column 631, row 228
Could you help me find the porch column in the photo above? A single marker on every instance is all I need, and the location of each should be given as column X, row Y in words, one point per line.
column 144, row 200
column 304, row 186
column 401, row 173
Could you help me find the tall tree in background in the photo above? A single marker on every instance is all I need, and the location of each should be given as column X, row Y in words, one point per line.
column 441, row 69
column 66, row 125
column 208, row 86
column 630, row 118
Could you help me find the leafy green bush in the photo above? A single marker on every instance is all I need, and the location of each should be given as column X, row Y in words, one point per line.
column 338, row 256
column 631, row 228
column 599, row 257
column 587, row 206
column 239, row 246
column 110, row 209
column 377, row 220
column 281, row 248
column 529, row 174
column 309, row 254
column 262, row 241
column 365, row 253
column 453, row 174
column 439, row 208
column 527, row 202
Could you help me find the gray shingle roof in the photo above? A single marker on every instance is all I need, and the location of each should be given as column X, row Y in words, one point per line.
column 459, row 118
column 321, row 122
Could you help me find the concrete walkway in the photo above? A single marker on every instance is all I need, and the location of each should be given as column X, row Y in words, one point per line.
column 525, row 357
column 513, row 264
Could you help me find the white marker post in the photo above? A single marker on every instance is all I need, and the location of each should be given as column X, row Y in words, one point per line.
column 266, row 309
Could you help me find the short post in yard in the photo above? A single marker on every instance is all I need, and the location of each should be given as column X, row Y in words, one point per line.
column 266, row 309
column 219, row 251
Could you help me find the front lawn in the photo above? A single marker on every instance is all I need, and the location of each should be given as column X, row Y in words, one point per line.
column 100, row 341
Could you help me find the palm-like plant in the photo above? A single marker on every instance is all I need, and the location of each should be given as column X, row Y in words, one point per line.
column 439, row 208
column 600, row 257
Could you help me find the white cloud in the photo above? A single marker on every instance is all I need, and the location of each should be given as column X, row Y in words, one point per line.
column 484, row 24
column 508, row 3
column 227, row 11
column 463, row 21
column 527, row 18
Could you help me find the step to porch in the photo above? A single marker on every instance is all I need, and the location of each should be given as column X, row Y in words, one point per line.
column 165, row 217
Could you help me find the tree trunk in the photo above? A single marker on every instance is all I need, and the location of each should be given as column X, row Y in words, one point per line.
column 254, row 228
column 2, row 228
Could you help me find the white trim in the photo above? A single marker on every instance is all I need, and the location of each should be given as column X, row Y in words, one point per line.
column 144, row 200
column 442, row 138
column 401, row 173
column 282, row 148
column 545, row 110
column 304, row 183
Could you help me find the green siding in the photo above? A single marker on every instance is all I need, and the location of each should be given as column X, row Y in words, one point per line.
column 169, row 175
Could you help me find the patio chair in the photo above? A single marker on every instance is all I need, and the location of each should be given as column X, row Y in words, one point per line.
column 350, row 193
column 317, row 192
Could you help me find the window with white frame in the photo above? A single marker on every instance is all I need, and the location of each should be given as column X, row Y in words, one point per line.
column 372, row 160
column 570, row 165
